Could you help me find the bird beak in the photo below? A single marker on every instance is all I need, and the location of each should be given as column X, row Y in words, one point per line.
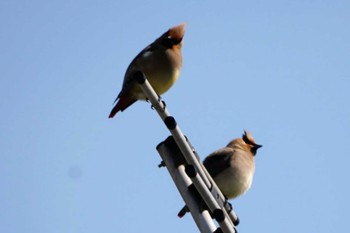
column 255, row 148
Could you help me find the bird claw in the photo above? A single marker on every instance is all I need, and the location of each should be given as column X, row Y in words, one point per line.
column 164, row 104
column 162, row 164
column 159, row 101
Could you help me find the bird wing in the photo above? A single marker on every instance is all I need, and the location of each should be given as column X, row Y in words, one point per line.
column 219, row 160
column 133, row 67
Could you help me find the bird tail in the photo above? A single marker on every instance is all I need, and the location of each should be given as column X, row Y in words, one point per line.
column 183, row 211
column 123, row 102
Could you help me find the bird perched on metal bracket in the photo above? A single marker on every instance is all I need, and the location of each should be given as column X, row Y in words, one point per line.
column 161, row 62
column 232, row 167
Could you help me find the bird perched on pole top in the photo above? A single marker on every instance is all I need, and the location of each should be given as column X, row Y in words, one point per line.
column 232, row 167
column 161, row 62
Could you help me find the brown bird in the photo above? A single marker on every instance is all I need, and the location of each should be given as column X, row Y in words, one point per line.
column 161, row 62
column 232, row 167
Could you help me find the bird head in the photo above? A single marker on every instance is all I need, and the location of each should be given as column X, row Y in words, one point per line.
column 250, row 143
column 174, row 36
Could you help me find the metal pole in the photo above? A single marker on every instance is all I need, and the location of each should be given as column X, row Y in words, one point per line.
column 224, row 218
column 170, row 156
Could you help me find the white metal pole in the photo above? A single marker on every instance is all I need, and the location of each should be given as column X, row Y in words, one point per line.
column 205, row 180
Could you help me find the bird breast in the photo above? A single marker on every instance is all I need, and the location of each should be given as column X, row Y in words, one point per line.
column 236, row 179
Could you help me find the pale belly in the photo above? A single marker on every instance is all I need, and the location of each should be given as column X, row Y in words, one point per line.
column 161, row 83
column 234, row 184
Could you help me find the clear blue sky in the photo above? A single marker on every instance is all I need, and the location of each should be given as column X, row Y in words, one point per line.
column 277, row 68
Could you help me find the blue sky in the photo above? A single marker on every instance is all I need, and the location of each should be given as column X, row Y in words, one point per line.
column 277, row 68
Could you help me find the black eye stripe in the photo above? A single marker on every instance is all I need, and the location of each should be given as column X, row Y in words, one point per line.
column 170, row 42
column 176, row 42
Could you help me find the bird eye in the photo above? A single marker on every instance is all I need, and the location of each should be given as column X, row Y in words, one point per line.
column 167, row 42
column 175, row 41
column 170, row 42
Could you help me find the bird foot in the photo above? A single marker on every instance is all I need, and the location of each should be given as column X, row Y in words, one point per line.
column 161, row 101
column 164, row 104
column 162, row 164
